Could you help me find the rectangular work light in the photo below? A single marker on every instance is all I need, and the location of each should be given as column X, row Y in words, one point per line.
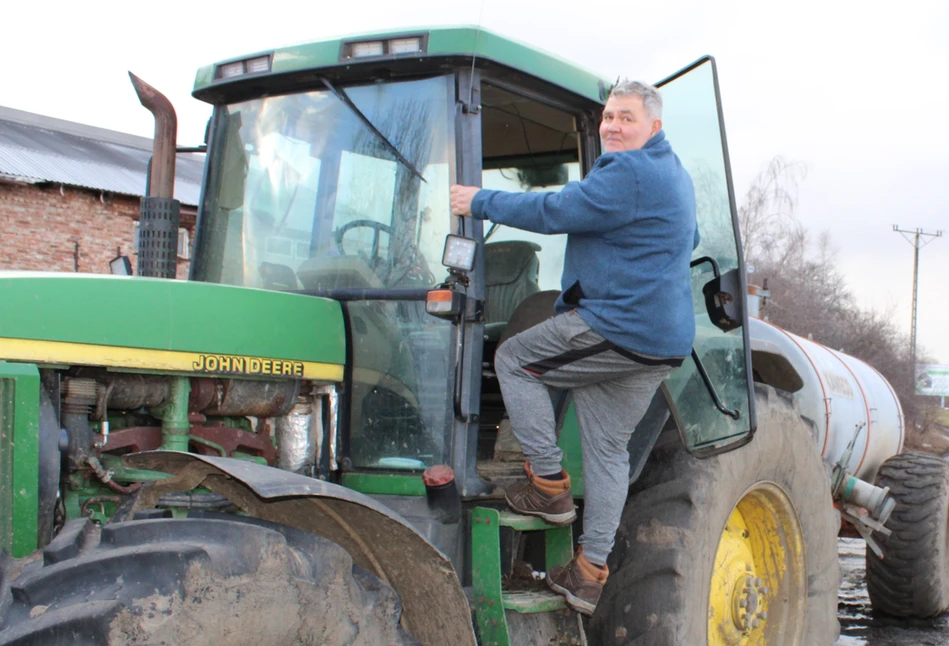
column 248, row 66
column 405, row 45
column 371, row 48
column 384, row 47
column 459, row 252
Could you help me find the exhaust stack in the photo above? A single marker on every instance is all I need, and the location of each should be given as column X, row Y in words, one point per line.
column 158, row 225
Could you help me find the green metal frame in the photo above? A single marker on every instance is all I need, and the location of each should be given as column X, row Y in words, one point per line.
column 384, row 483
column 490, row 602
column 19, row 457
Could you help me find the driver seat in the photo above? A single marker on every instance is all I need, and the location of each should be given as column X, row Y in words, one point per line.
column 511, row 269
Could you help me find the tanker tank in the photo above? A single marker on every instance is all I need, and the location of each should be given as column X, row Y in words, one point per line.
column 838, row 393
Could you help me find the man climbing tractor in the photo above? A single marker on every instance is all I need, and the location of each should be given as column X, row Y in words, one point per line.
column 624, row 321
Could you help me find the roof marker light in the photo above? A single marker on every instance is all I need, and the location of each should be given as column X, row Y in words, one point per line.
column 398, row 46
column 255, row 65
column 371, row 48
column 259, row 64
column 230, row 70
column 405, row 45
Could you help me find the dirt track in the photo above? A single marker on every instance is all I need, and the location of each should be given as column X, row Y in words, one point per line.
column 858, row 625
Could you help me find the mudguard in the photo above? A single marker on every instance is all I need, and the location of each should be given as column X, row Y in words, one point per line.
column 435, row 608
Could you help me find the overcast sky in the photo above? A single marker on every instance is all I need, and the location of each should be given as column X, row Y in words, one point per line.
column 855, row 90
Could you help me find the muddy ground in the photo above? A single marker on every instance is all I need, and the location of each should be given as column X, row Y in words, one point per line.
column 860, row 627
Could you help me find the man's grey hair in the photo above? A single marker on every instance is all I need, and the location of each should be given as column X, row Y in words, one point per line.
column 652, row 100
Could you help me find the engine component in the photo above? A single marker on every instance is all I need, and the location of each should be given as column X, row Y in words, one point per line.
column 223, row 397
column 244, row 397
column 131, row 392
column 79, row 396
column 300, row 436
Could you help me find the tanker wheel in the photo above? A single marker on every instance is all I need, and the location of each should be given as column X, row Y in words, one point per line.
column 912, row 580
column 207, row 579
column 736, row 549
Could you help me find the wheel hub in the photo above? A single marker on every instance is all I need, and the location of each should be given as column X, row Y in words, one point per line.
column 748, row 600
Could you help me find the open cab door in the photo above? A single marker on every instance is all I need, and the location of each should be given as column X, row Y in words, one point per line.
column 693, row 122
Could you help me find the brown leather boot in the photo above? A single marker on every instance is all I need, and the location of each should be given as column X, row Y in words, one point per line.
column 580, row 582
column 548, row 499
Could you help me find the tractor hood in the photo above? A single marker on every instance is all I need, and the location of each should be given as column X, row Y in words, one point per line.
column 169, row 325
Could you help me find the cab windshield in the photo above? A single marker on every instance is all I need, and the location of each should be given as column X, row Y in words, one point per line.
column 303, row 194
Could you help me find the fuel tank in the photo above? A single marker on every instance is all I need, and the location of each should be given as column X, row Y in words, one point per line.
column 840, row 394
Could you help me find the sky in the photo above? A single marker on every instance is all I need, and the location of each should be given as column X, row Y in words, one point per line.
column 856, row 91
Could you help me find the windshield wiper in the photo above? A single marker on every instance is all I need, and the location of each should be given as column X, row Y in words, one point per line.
column 342, row 96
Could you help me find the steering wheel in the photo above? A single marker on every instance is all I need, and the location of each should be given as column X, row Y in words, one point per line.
column 372, row 224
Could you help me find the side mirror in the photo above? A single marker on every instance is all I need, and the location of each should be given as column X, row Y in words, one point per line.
column 723, row 296
column 723, row 300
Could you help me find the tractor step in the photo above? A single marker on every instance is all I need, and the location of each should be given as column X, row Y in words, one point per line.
column 491, row 600
column 526, row 602
column 522, row 523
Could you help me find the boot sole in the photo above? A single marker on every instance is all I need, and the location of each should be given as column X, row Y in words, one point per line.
column 558, row 520
column 576, row 603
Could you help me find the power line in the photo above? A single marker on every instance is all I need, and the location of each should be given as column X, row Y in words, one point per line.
column 917, row 234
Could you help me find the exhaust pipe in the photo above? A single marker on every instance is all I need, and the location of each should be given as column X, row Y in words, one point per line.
column 158, row 225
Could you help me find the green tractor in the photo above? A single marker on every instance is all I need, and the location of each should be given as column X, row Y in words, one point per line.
column 306, row 443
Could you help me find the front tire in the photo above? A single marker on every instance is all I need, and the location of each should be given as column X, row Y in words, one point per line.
column 738, row 549
column 912, row 580
column 210, row 579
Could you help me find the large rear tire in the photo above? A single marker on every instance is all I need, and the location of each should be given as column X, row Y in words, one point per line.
column 736, row 549
column 211, row 579
column 912, row 580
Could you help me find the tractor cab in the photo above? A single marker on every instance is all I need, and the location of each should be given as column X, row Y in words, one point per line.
column 328, row 175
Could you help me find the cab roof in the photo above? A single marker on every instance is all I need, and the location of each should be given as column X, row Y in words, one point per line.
column 435, row 42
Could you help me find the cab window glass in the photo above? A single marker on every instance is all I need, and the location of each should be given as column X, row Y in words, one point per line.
column 691, row 120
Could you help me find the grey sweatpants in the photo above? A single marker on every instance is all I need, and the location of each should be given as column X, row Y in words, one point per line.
column 610, row 395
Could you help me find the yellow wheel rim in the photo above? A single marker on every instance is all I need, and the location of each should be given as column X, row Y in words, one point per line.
column 758, row 592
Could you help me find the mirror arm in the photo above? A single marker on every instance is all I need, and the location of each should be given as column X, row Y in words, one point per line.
column 698, row 261
column 734, row 413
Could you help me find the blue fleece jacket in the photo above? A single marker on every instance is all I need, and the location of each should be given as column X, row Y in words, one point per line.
column 630, row 226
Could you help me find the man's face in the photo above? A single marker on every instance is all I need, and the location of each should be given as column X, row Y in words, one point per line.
column 626, row 125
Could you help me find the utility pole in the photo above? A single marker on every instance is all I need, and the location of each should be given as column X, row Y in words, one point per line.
column 916, row 233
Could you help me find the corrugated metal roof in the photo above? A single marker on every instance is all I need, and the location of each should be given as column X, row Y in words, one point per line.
column 45, row 150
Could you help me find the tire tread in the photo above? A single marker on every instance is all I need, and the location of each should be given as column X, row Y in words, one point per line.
column 912, row 580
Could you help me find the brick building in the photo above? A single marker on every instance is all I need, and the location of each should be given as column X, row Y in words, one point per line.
column 69, row 194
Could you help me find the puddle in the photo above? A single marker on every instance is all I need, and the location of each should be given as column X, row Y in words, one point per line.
column 860, row 627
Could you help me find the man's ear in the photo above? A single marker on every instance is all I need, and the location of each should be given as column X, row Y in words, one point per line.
column 656, row 127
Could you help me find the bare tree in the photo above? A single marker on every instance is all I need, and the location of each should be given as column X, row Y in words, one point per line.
column 766, row 214
column 809, row 294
